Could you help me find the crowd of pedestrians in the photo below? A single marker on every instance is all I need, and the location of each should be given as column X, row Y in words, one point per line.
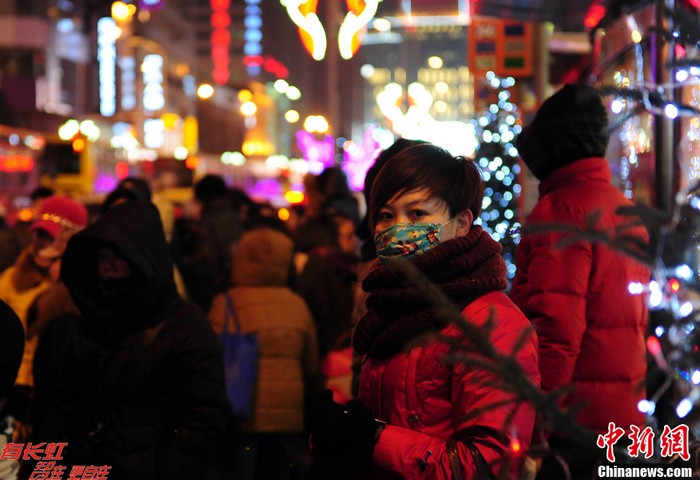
column 110, row 317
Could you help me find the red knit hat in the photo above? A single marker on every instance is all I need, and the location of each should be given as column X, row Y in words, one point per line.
column 59, row 212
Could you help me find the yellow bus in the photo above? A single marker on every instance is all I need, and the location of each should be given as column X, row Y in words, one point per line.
column 67, row 166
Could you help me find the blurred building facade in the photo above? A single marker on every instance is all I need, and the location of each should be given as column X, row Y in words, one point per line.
column 134, row 73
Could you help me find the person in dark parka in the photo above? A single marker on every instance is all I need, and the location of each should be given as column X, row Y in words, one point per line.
column 11, row 350
column 143, row 389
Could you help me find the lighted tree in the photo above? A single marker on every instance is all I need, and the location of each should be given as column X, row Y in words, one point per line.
column 497, row 157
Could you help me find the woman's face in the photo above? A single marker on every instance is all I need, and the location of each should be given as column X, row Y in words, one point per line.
column 421, row 206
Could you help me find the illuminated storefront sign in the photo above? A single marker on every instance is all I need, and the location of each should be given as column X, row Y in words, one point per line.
column 127, row 65
column 153, row 93
column 500, row 46
column 153, row 133
column 107, row 34
column 16, row 163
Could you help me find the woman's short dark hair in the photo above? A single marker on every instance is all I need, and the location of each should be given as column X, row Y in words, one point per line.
column 455, row 180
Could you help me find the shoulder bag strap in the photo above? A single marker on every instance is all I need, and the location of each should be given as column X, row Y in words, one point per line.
column 232, row 312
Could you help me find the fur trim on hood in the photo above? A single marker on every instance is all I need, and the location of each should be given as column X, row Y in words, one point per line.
column 262, row 257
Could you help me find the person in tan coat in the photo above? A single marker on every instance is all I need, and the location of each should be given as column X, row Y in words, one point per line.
column 288, row 362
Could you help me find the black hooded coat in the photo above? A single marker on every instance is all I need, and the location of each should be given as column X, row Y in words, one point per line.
column 143, row 389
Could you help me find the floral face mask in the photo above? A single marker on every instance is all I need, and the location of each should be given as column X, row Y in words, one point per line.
column 407, row 239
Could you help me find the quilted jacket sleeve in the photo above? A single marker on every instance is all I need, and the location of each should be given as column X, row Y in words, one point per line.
column 551, row 288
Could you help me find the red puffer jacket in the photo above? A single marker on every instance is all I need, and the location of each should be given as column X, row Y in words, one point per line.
column 591, row 330
column 427, row 402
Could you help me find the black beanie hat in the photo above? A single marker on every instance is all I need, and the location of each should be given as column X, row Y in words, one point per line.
column 570, row 125
column 131, row 188
column 210, row 187
column 11, row 347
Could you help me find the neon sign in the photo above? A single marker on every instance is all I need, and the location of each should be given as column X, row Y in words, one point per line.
column 220, row 40
column 313, row 35
column 354, row 25
column 253, row 36
column 319, row 154
column 359, row 157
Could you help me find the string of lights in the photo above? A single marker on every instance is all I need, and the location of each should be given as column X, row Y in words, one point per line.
column 497, row 157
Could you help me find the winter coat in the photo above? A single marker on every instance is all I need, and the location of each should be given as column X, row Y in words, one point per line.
column 143, row 389
column 591, row 329
column 205, row 261
column 288, row 346
column 448, row 416
column 426, row 401
column 326, row 283
column 19, row 287
column 50, row 303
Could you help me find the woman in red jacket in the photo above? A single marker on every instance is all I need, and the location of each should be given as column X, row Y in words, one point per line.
column 436, row 418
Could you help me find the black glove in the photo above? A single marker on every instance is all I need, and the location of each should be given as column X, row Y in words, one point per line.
column 342, row 435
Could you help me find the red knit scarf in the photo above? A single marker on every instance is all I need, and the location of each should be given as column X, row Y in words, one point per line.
column 464, row 269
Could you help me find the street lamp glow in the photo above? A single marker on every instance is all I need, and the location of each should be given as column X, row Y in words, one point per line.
column 441, row 106
column 281, row 85
column 367, row 71
column 69, row 129
column 442, row 88
column 180, row 153
column 381, row 25
column 205, row 91
column 435, row 62
column 293, row 93
column 122, row 12
column 245, row 96
column 248, row 109
column 90, row 129
column 316, row 124
column 291, row 116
